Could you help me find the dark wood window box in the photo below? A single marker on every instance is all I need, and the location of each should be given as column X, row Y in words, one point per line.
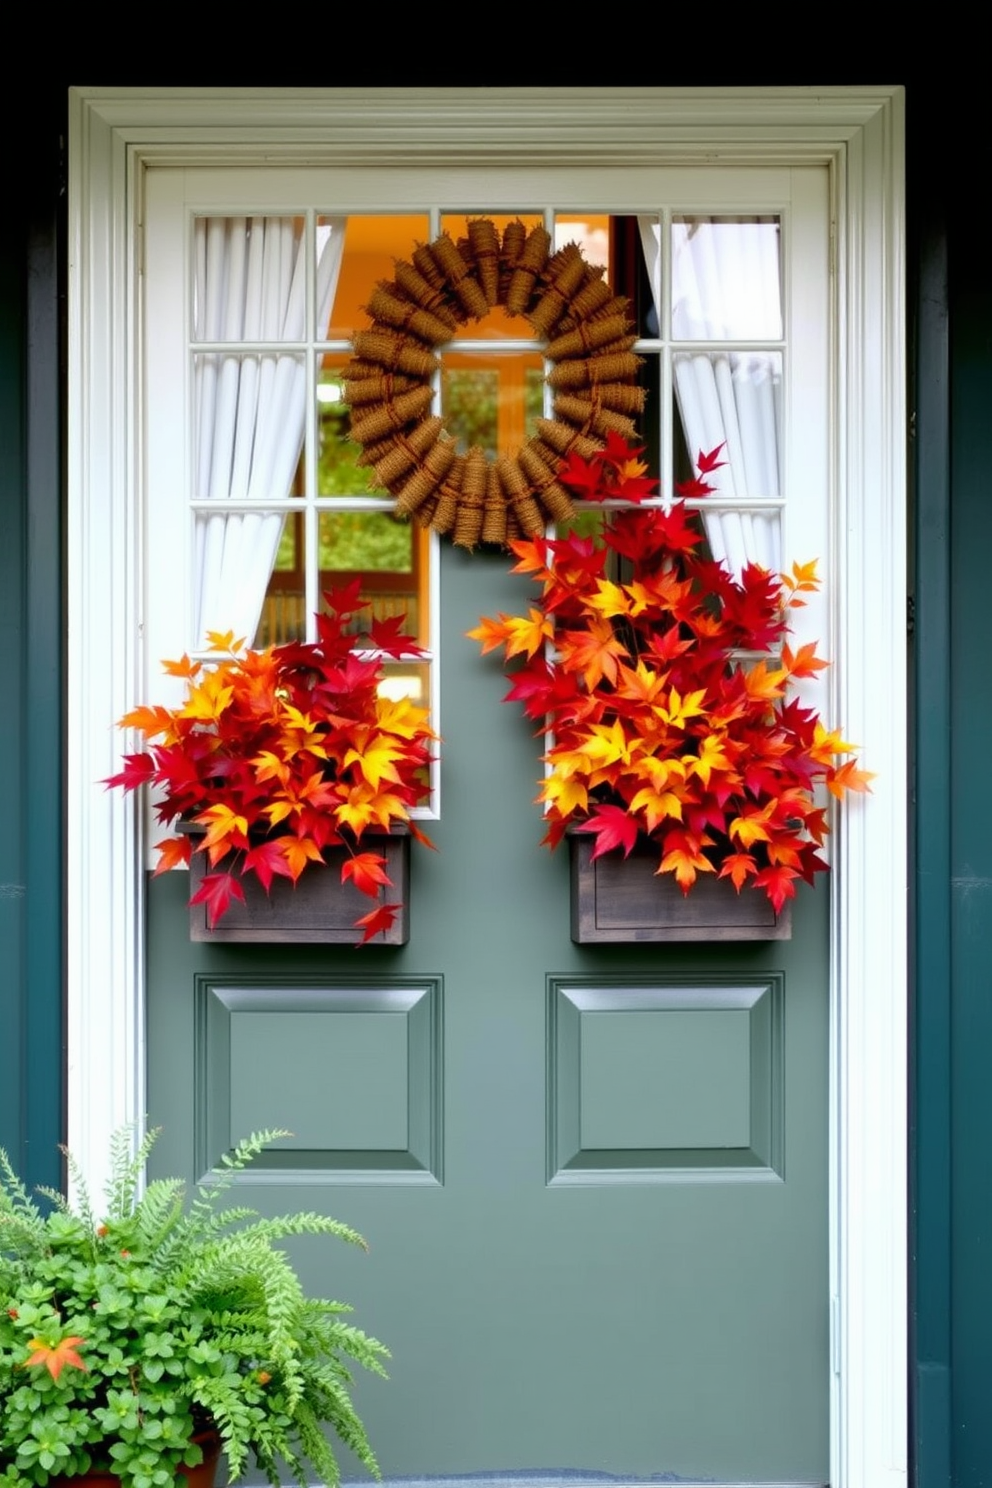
column 318, row 909
column 616, row 900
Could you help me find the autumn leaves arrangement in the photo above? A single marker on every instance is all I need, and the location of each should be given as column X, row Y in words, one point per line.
column 278, row 755
column 664, row 684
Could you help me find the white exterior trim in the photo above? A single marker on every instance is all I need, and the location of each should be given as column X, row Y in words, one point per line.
column 858, row 133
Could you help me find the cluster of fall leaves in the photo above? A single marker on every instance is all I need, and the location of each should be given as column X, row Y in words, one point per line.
column 664, row 683
column 281, row 753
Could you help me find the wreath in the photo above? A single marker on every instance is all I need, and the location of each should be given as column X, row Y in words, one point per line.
column 388, row 383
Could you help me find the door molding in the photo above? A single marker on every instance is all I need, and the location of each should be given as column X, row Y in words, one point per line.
column 857, row 133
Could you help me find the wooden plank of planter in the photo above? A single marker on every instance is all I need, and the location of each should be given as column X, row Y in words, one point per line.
column 318, row 909
column 617, row 900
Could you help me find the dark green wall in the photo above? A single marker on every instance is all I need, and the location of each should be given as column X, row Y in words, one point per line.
column 31, row 632
column 951, row 398
column 970, row 1064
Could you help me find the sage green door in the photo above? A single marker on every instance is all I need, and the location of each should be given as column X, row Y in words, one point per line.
column 594, row 1181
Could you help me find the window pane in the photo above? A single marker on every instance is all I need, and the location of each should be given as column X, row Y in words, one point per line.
column 249, row 280
column 338, row 470
column 726, row 279
column 492, row 401
column 250, row 413
column 371, row 246
column 494, row 322
column 733, row 400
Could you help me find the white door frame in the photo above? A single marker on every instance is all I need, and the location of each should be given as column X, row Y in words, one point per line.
column 857, row 133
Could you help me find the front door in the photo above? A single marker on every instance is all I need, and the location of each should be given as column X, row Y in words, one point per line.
column 593, row 1180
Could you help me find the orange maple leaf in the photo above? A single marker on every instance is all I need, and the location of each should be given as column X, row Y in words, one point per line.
column 173, row 852
column 55, row 1358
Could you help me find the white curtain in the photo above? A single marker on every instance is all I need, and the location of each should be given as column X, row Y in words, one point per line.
column 250, row 276
column 725, row 287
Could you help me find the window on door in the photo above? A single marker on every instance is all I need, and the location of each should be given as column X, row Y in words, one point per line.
column 283, row 505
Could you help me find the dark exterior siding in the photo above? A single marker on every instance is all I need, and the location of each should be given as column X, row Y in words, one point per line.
column 31, row 627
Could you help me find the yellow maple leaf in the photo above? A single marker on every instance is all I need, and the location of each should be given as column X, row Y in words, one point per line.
column 685, row 864
column 610, row 599
column 711, row 757
column 208, row 700
column 375, row 760
column 566, row 791
column 402, row 717
column 526, row 637
column 657, row 805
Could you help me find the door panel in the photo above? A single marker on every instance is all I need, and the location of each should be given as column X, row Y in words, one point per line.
column 593, row 1179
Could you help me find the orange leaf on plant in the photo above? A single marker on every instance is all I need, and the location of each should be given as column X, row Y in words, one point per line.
column 56, row 1357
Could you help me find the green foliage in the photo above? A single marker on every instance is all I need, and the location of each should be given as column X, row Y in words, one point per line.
column 120, row 1341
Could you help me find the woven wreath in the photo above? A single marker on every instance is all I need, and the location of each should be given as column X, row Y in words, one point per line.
column 388, row 384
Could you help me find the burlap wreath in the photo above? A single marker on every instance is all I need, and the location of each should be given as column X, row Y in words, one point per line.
column 388, row 383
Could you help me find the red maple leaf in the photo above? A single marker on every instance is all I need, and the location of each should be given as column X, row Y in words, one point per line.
column 709, row 461
column 584, row 477
column 389, row 637
column 613, row 827
column 267, row 859
column 377, row 921
column 216, row 892
column 139, row 769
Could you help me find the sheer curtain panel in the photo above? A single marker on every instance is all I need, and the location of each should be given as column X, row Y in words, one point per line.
column 725, row 288
column 250, row 279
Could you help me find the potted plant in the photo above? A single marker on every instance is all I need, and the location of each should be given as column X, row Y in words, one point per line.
column 138, row 1342
column 664, row 682
column 284, row 758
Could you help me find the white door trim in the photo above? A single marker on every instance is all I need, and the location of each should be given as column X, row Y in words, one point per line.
column 858, row 134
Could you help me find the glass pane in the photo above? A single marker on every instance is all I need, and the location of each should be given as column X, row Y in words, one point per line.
column 249, row 425
column 406, row 679
column 590, row 233
column 732, row 402
column 249, row 279
column 338, row 470
column 371, row 246
column 726, row 279
column 388, row 555
column 375, row 542
column 486, row 250
column 492, row 401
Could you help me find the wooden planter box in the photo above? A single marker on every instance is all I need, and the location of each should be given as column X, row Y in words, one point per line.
column 617, row 900
column 317, row 909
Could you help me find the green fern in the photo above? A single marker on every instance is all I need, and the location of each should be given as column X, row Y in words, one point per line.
column 193, row 1310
